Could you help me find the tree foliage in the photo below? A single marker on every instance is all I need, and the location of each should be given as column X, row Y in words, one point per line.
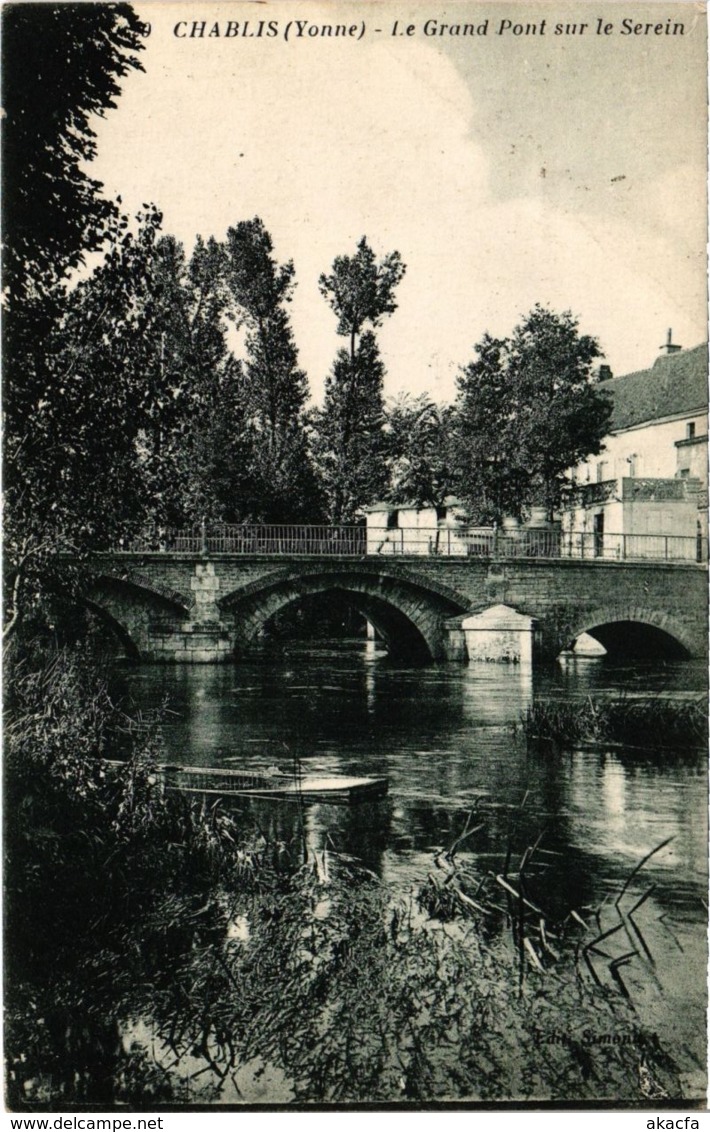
column 349, row 443
column 360, row 290
column 220, row 476
column 349, row 440
column 61, row 65
column 528, row 408
column 419, row 449
column 275, row 388
column 181, row 364
column 71, row 472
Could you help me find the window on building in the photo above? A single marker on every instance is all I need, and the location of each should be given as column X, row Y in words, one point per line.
column 631, row 461
column 441, row 513
column 602, row 467
column 690, row 430
column 392, row 520
column 599, row 534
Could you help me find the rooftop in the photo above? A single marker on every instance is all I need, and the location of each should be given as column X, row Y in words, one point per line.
column 675, row 385
column 384, row 505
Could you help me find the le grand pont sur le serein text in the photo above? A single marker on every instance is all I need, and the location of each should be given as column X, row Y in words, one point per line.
column 294, row 30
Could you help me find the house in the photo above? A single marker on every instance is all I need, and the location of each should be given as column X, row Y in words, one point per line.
column 645, row 494
column 409, row 529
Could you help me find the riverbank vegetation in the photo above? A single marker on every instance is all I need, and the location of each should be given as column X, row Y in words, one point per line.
column 166, row 951
column 639, row 721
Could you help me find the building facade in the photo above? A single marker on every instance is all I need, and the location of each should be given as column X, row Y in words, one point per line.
column 645, row 494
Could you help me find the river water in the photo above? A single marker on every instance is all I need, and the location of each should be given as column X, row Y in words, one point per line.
column 449, row 739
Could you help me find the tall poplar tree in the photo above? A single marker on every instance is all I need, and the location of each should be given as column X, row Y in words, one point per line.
column 220, row 483
column 184, row 350
column 275, row 388
column 349, row 441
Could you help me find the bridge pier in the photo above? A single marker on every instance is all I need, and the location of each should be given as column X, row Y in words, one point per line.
column 454, row 640
column 204, row 639
column 500, row 635
column 496, row 634
column 168, row 641
column 197, row 644
column 205, row 586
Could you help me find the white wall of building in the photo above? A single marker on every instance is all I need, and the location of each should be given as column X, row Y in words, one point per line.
column 646, row 451
column 412, row 530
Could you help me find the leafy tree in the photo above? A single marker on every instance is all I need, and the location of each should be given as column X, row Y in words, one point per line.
column 72, row 475
column 184, row 364
column 61, row 65
column 101, row 433
column 419, row 435
column 360, row 290
column 349, row 439
column 112, row 437
column 220, row 481
column 349, row 442
column 275, row 389
column 489, row 478
column 527, row 410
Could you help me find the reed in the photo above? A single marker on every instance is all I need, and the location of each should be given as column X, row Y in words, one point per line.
column 649, row 722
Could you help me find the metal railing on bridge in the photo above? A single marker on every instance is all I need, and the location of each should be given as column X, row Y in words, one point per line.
column 246, row 538
column 449, row 542
column 631, row 547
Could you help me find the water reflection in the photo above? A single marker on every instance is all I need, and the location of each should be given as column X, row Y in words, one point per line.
column 580, row 675
column 496, row 694
column 449, row 740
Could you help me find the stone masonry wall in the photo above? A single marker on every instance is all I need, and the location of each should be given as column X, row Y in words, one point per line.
column 192, row 610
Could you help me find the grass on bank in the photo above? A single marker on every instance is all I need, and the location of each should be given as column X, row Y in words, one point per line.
column 649, row 722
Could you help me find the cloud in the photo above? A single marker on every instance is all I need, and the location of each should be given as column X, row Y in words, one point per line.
column 330, row 140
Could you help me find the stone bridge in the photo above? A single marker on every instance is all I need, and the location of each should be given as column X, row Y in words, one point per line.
column 203, row 608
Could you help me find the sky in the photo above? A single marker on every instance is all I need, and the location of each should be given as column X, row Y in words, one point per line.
column 507, row 169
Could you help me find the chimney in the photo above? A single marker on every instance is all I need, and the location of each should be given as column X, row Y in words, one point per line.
column 669, row 345
column 605, row 373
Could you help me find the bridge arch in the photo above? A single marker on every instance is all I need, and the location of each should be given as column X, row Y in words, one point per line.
column 634, row 625
column 135, row 610
column 142, row 586
column 408, row 614
column 115, row 626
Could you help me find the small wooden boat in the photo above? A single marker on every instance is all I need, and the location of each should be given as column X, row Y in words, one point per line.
column 275, row 784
